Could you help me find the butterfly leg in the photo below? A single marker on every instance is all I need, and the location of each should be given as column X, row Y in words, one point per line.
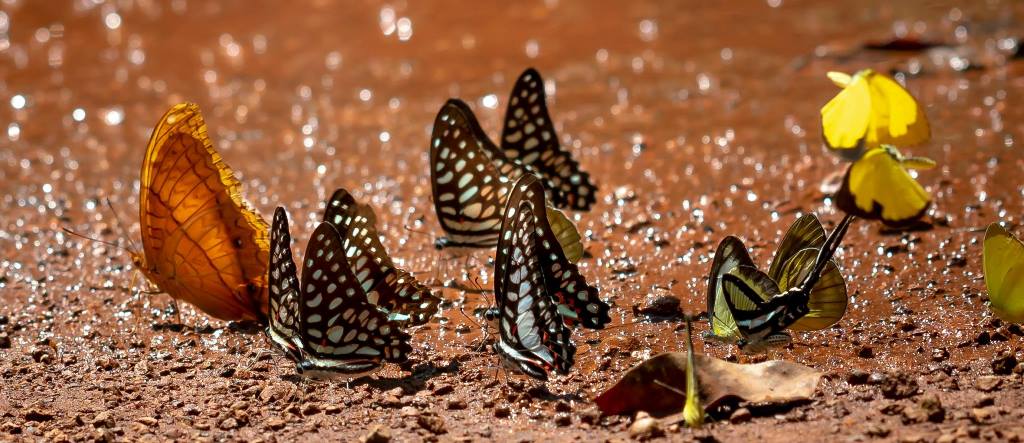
column 177, row 312
column 779, row 339
column 464, row 272
column 138, row 305
column 760, row 345
column 259, row 354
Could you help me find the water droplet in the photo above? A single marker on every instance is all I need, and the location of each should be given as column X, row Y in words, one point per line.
column 532, row 48
column 333, row 60
column 404, row 29
column 113, row 116
column 490, row 101
column 112, row 20
column 648, row 30
column 78, row 114
column 384, row 137
column 18, row 101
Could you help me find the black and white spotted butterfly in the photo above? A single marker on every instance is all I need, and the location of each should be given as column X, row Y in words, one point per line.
column 539, row 294
column 470, row 176
column 529, row 136
column 577, row 301
column 391, row 289
column 324, row 321
column 533, row 337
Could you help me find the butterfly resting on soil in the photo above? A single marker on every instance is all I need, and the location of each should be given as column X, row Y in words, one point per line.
column 539, row 294
column 1003, row 264
column 202, row 242
column 470, row 176
column 344, row 317
column 751, row 309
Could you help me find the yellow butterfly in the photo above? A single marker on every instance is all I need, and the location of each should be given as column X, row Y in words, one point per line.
column 878, row 186
column 871, row 110
column 1004, row 273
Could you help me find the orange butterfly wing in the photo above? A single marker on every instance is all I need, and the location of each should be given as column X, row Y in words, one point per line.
column 202, row 242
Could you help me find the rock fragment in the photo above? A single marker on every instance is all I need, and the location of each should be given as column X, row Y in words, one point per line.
column 644, row 427
column 378, row 434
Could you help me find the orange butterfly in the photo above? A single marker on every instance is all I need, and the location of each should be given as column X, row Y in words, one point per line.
column 202, row 242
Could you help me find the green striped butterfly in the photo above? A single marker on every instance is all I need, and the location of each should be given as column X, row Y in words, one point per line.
column 803, row 289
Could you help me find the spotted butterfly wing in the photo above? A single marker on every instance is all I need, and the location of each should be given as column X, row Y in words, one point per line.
column 283, row 328
column 529, row 137
column 387, row 287
column 342, row 333
column 533, row 337
column 470, row 178
column 578, row 301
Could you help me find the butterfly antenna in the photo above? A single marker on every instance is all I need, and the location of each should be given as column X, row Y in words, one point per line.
column 470, row 318
column 827, row 251
column 65, row 229
column 417, row 231
column 120, row 224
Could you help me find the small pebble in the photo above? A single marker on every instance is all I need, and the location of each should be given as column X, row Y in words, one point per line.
column 741, row 415
column 644, row 426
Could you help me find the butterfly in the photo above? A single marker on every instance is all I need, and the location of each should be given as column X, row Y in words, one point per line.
column 325, row 321
column 871, row 110
column 528, row 135
column 470, row 176
column 1004, row 273
column 389, row 288
column 748, row 307
column 473, row 220
column 576, row 300
column 878, row 186
column 533, row 338
column 202, row 242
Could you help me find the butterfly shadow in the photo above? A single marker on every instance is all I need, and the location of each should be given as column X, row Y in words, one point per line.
column 242, row 327
column 539, row 390
column 416, row 381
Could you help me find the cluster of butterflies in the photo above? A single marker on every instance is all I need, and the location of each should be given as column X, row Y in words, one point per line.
column 804, row 289
column 489, row 196
column 865, row 123
column 351, row 308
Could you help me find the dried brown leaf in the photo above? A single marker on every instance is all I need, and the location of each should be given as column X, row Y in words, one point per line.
column 768, row 382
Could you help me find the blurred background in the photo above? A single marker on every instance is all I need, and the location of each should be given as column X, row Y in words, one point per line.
column 696, row 120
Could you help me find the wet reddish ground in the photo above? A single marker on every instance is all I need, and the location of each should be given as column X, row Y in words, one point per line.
column 696, row 121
